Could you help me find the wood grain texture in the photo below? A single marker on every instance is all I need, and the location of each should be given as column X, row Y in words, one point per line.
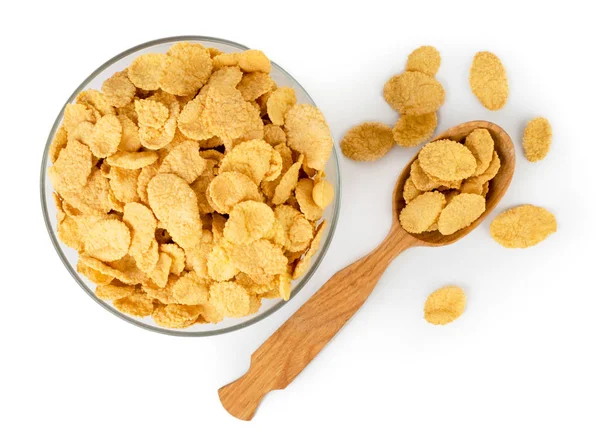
column 276, row 363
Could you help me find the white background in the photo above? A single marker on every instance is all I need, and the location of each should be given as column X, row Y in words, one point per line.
column 523, row 359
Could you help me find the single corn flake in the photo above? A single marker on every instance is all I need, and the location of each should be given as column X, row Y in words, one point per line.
column 481, row 144
column 59, row 142
column 96, row 101
column 123, row 184
column 200, row 186
column 130, row 135
column 254, row 85
column 248, row 221
column 76, row 113
column 132, row 160
column 523, row 226
column 322, row 193
column 279, row 103
column 226, row 114
column 159, row 275
column 72, row 168
column 112, row 292
column 142, row 225
column 286, row 185
column 190, row 289
column 410, row 191
column 447, row 160
column 136, row 304
column 187, row 66
column 488, row 80
column 258, row 258
column 174, row 203
column 118, row 90
column 414, row 93
column 224, row 60
column 422, row 212
column 106, row 136
column 177, row 256
column 151, row 113
column 190, row 121
column 146, row 70
column 254, row 60
column 255, row 159
column 445, row 305
column 230, row 188
column 367, row 141
column 219, row 264
column 304, row 191
column 82, row 133
column 463, row 210
column 292, row 230
column 274, row 135
column 144, row 179
column 307, row 133
column 425, row 59
column 231, row 299
column 304, row 263
column 537, row 139
column 412, row 130
column 184, row 160
column 421, row 180
column 486, row 176
column 107, row 240
column 92, row 274
column 176, row 316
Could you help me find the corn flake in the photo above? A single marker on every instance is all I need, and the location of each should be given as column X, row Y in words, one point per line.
column 322, row 193
column 106, row 136
column 425, row 59
column 488, row 80
column 184, row 160
column 523, row 226
column 414, row 93
column 254, row 60
column 279, row 103
column 367, row 141
column 274, row 135
column 410, row 191
column 463, row 210
column 412, row 130
column 445, row 305
column 219, row 264
column 145, row 71
column 260, row 257
column 230, row 188
column 231, row 299
column 176, row 316
column 422, row 212
column 255, row 159
column 447, row 160
column 112, row 292
column 118, row 89
column 248, row 221
column 537, row 139
column 187, row 66
column 136, row 304
column 481, row 144
column 307, row 133
column 304, row 196
column 254, row 85
column 303, row 264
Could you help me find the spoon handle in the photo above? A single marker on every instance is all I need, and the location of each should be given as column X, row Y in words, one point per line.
column 289, row 350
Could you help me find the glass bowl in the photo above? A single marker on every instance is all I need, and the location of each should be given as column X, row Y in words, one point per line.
column 69, row 256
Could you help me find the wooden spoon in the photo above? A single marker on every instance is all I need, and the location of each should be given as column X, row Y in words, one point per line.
column 289, row 350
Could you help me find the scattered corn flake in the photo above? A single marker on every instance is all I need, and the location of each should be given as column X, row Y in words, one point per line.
column 226, row 60
column 410, row 191
column 187, row 66
column 254, row 85
column 307, row 133
column 136, row 304
column 176, row 316
column 304, row 263
column 309, row 208
column 274, row 135
column 107, row 240
column 414, row 93
column 447, row 160
column 255, row 159
column 422, row 212
column 177, row 257
column 488, row 80
column 254, row 60
column 260, row 257
column 523, row 226
column 174, row 203
column 322, row 193
column 96, row 101
column 412, row 130
column 367, row 141
column 248, row 221
column 463, row 210
column 537, row 139
column 106, row 136
column 75, row 113
column 445, row 305
column 184, row 160
column 112, row 292
column 425, row 59
column 145, row 71
column 286, row 185
column 142, row 225
column 279, row 103
column 481, row 144
column 118, row 90
column 230, row 188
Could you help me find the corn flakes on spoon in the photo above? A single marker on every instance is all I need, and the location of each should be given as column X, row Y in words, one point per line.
column 288, row 351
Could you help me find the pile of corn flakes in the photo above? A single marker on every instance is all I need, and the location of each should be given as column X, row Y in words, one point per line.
column 191, row 185
column 448, row 184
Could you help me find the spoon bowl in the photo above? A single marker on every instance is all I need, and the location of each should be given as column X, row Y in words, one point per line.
column 498, row 186
column 292, row 347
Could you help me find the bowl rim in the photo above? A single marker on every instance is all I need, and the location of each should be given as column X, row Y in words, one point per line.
column 303, row 281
